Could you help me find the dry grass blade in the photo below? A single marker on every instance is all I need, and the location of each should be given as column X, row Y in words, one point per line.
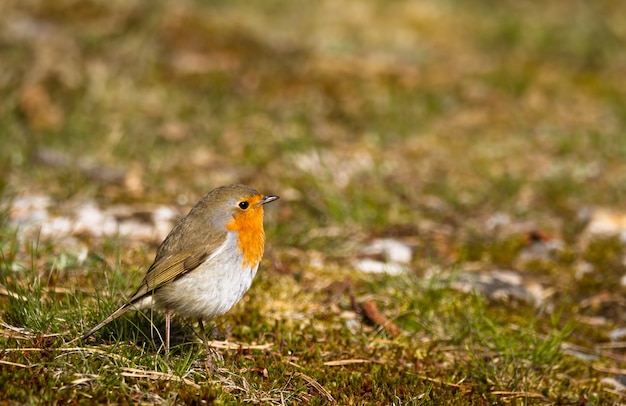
column 159, row 376
column 83, row 380
column 612, row 345
column 322, row 391
column 440, row 382
column 613, row 392
column 609, row 370
column 14, row 332
column 224, row 345
column 19, row 333
column 95, row 351
column 348, row 362
column 597, row 351
column 16, row 335
column 72, row 350
column 5, row 292
column 518, row 394
column 15, row 364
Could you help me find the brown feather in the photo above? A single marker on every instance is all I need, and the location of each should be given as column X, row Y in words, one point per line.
column 179, row 253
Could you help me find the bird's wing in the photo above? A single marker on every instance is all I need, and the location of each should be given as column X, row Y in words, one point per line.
column 167, row 269
column 179, row 254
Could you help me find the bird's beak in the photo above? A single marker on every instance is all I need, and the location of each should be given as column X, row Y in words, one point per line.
column 267, row 199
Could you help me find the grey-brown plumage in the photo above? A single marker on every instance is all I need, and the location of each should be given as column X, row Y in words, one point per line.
column 191, row 244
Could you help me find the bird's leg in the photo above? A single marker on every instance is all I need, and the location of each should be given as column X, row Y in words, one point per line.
column 168, row 320
column 209, row 358
column 203, row 336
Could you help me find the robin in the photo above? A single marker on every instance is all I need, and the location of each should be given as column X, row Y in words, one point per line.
column 207, row 262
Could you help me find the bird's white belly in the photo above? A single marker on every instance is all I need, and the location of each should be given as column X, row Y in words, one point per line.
column 211, row 289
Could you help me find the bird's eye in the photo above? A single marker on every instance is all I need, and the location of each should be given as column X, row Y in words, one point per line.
column 243, row 205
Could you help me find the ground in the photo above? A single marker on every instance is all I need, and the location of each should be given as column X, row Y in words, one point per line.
column 451, row 228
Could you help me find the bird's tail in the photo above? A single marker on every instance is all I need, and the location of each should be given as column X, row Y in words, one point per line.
column 120, row 311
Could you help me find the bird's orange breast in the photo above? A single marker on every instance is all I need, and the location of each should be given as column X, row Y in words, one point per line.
column 250, row 234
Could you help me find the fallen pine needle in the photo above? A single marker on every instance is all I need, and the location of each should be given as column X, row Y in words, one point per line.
column 316, row 385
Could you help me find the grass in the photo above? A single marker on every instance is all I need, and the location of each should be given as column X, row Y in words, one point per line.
column 477, row 134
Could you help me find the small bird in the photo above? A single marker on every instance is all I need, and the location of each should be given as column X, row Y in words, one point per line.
column 207, row 262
